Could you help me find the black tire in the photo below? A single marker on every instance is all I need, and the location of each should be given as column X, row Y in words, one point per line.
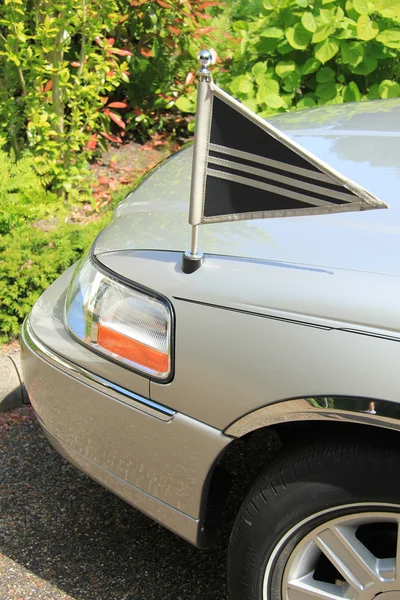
column 300, row 483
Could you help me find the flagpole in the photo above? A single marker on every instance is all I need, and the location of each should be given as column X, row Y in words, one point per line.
column 193, row 259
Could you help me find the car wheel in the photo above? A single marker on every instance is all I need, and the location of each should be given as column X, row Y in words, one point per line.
column 321, row 523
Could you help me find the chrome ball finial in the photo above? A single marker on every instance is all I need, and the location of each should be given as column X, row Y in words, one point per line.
column 205, row 60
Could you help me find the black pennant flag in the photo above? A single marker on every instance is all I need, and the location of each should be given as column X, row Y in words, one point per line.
column 244, row 168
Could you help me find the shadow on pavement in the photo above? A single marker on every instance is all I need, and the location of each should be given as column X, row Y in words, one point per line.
column 82, row 541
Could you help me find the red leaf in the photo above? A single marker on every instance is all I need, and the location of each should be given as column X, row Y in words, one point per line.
column 203, row 31
column 138, row 111
column 92, row 143
column 48, row 86
column 116, row 118
column 190, row 77
column 110, row 74
column 111, row 41
column 117, row 105
column 111, row 137
column 98, row 41
column 146, row 52
column 173, row 30
column 75, row 64
column 103, row 99
column 121, row 52
column 127, row 73
column 163, row 4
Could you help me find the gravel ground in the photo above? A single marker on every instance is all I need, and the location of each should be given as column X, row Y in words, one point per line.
column 63, row 537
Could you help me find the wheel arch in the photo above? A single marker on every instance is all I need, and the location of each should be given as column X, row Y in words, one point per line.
column 259, row 435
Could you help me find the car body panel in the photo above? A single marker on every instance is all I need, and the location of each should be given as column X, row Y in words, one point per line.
column 242, row 328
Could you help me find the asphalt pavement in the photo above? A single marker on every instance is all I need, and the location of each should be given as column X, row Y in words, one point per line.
column 64, row 537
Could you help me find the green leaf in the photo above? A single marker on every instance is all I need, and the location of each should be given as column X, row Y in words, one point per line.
column 390, row 9
column 285, row 68
column 325, row 74
column 302, row 3
column 367, row 29
column 367, row 66
column 272, row 32
column 242, row 85
column 308, row 22
column 259, row 69
column 298, row 37
column 352, row 93
column 266, row 45
column 389, row 89
column 327, row 15
column 251, row 104
column 310, row 66
column 284, row 47
column 185, row 104
column 326, row 91
column 191, row 126
column 390, row 38
column 269, row 87
column 373, row 92
column 273, row 101
column 348, row 31
column 361, row 6
column 326, row 50
column 306, row 102
column 292, row 82
column 322, row 33
column 352, row 53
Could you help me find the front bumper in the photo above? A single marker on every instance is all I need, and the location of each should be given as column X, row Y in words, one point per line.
column 156, row 459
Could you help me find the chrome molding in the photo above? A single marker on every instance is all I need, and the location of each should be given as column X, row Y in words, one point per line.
column 99, row 383
column 367, row 411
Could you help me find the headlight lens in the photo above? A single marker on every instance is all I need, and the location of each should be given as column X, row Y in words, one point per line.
column 131, row 326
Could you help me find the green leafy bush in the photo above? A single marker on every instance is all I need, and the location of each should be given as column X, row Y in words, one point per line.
column 30, row 260
column 22, row 196
column 302, row 53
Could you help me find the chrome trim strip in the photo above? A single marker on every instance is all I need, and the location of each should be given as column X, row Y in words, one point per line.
column 319, row 409
column 88, row 378
column 270, row 176
column 268, row 187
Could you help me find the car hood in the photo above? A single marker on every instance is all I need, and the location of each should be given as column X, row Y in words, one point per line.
column 362, row 141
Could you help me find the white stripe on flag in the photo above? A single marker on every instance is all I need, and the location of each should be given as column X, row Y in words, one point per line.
column 269, row 188
column 271, row 176
column 269, row 162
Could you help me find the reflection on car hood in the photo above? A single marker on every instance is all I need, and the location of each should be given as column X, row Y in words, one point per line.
column 362, row 141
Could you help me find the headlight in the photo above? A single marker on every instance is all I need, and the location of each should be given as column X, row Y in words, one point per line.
column 131, row 326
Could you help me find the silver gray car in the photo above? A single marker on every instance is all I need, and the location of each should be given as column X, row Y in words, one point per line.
column 276, row 363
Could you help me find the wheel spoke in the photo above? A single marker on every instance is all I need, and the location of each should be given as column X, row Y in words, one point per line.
column 350, row 557
column 307, row 588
